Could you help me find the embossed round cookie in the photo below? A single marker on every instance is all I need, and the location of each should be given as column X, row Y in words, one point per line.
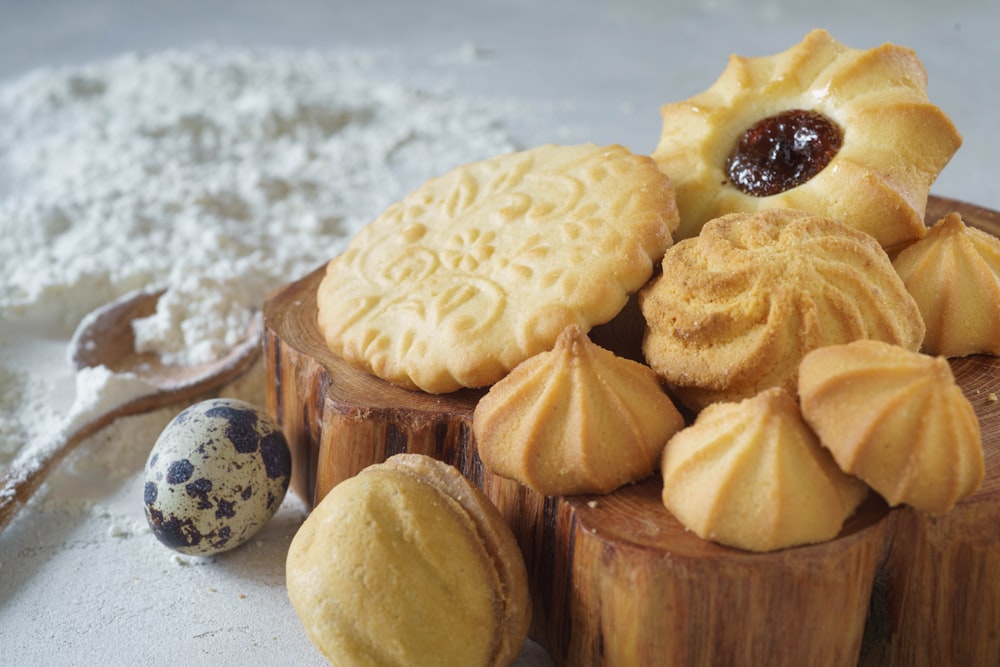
column 483, row 267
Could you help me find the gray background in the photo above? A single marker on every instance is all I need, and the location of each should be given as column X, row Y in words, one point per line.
column 603, row 68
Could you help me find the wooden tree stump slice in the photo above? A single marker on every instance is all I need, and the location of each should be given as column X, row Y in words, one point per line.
column 617, row 580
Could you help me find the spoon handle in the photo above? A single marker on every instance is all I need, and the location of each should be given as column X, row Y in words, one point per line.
column 23, row 477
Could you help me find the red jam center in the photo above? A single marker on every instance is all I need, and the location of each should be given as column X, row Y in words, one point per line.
column 783, row 151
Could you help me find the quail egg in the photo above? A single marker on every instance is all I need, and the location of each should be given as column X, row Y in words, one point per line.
column 217, row 473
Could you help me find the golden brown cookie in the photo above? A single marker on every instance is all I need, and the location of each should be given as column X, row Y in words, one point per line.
column 737, row 307
column 896, row 419
column 753, row 475
column 954, row 275
column 576, row 419
column 854, row 132
column 408, row 564
column 479, row 269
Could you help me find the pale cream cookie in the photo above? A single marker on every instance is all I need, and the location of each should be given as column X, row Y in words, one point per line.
column 479, row 269
column 407, row 564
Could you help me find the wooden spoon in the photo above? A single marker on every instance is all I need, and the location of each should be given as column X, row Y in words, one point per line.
column 105, row 337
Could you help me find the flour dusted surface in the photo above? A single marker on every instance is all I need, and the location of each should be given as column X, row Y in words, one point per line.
column 209, row 171
column 217, row 174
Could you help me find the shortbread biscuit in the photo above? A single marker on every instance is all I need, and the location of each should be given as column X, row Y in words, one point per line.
column 479, row 269
column 841, row 132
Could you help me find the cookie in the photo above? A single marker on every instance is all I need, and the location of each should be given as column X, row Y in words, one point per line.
column 821, row 127
column 577, row 419
column 737, row 307
column 897, row 419
column 408, row 564
column 954, row 275
column 481, row 268
column 752, row 475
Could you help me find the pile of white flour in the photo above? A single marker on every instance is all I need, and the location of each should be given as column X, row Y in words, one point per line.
column 217, row 174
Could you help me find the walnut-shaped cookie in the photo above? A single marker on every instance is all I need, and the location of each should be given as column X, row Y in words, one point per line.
column 407, row 564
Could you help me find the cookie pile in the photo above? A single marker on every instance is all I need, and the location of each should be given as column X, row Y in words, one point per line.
column 758, row 244
column 790, row 184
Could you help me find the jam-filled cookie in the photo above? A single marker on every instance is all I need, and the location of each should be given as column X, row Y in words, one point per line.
column 821, row 127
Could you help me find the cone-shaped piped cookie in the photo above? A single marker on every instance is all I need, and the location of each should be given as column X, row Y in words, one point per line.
column 954, row 275
column 576, row 419
column 897, row 420
column 753, row 475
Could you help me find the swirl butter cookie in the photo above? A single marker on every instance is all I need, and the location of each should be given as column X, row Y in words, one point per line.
column 483, row 267
column 841, row 132
column 738, row 306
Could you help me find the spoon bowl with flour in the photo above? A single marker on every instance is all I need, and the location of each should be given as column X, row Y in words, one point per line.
column 131, row 381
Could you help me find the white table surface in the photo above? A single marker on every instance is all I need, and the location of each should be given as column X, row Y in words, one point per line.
column 73, row 591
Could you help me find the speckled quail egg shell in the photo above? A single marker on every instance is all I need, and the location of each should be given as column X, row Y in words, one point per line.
column 217, row 473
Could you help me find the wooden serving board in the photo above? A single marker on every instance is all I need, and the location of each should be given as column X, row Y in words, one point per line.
column 616, row 580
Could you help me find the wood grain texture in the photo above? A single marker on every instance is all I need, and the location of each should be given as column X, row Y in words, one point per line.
column 616, row 580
